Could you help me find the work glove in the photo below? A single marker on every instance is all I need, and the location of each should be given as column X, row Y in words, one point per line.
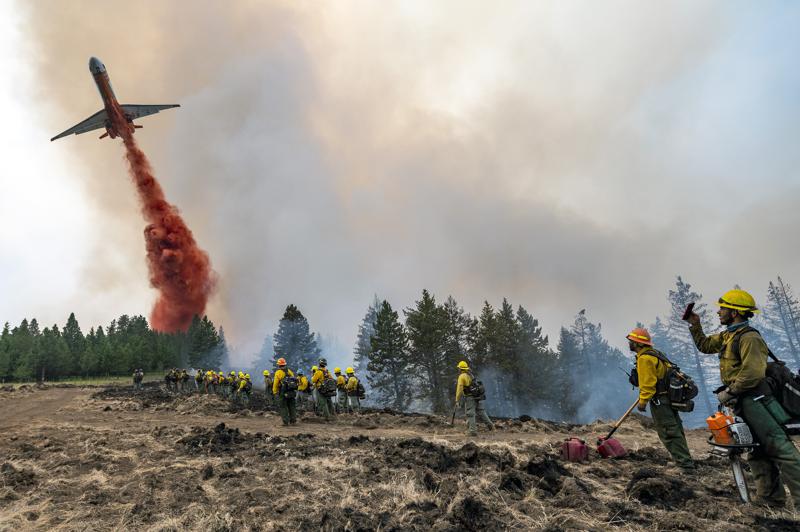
column 641, row 406
column 726, row 398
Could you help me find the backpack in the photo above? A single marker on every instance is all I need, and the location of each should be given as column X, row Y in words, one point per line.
column 475, row 389
column 679, row 387
column 360, row 391
column 783, row 384
column 328, row 386
column 248, row 386
column 289, row 387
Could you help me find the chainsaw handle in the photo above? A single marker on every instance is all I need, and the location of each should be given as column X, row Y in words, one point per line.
column 625, row 415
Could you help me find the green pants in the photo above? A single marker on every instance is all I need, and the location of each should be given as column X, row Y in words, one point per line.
column 288, row 409
column 775, row 461
column 670, row 432
column 341, row 401
column 325, row 406
column 474, row 412
column 354, row 404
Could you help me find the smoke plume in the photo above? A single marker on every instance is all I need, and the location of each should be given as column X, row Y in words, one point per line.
column 179, row 269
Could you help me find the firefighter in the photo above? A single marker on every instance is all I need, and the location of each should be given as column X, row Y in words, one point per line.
column 652, row 371
column 341, row 390
column 353, row 392
column 198, row 380
column 324, row 402
column 138, row 375
column 472, row 397
column 742, row 365
column 312, row 390
column 284, row 396
column 245, row 388
column 267, row 388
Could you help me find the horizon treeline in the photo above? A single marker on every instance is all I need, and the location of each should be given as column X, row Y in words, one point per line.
column 29, row 352
column 407, row 358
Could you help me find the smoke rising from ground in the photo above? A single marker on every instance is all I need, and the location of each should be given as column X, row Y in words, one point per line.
column 563, row 156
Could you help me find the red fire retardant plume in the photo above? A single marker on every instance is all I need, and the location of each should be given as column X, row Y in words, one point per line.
column 179, row 269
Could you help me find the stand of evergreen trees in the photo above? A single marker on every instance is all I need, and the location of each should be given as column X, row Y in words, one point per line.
column 29, row 352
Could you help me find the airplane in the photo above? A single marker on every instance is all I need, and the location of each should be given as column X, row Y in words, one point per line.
column 102, row 118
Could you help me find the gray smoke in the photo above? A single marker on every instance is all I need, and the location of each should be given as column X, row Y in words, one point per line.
column 568, row 157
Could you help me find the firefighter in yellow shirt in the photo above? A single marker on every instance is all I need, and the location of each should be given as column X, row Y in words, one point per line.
column 472, row 400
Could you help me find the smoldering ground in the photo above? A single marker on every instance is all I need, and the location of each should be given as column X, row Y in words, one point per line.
column 77, row 458
column 562, row 155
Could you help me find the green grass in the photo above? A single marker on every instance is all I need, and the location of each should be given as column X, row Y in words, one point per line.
column 96, row 381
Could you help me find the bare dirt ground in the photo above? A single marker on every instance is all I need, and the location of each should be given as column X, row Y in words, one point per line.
column 111, row 459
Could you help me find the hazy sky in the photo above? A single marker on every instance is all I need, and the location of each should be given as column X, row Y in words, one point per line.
column 562, row 154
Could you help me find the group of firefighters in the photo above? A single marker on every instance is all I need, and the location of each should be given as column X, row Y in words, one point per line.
column 326, row 394
column 742, row 352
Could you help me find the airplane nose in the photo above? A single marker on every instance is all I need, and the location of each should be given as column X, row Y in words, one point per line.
column 96, row 66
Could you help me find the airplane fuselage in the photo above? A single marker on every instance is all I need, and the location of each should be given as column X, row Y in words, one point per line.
column 103, row 82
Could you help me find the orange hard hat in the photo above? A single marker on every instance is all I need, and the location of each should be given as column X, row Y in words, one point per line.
column 640, row 336
column 281, row 361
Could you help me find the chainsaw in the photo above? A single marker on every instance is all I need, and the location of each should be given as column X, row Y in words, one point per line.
column 731, row 437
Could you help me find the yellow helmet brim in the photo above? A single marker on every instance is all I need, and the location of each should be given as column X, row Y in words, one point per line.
column 737, row 307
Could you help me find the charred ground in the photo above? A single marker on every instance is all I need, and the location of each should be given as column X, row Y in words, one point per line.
column 77, row 458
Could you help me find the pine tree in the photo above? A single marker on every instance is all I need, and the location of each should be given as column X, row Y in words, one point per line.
column 265, row 358
column 459, row 329
column 365, row 332
column 204, row 344
column 75, row 340
column 224, row 351
column 389, row 366
column 425, row 332
column 5, row 355
column 778, row 321
column 535, row 384
column 681, row 348
column 294, row 341
column 569, row 355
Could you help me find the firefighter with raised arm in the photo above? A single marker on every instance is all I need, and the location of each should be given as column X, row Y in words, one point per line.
column 743, row 358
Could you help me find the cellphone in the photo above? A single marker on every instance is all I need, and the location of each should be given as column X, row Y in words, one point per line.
column 688, row 311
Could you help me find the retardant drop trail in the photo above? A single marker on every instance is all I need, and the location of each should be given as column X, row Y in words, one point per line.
column 179, row 269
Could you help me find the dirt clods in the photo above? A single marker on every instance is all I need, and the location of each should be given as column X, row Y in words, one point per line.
column 217, row 441
column 655, row 488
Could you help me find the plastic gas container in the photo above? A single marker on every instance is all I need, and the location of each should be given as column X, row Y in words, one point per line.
column 611, row 448
column 574, row 450
column 719, row 425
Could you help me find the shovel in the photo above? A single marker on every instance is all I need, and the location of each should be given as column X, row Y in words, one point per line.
column 609, row 447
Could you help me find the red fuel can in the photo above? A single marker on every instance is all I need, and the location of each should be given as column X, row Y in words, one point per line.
column 610, row 448
column 574, row 450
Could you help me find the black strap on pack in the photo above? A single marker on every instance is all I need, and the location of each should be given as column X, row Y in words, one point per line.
column 737, row 340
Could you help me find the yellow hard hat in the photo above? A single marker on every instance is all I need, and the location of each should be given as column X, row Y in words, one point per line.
column 313, row 368
column 221, row 374
column 349, row 371
column 337, row 370
column 241, row 375
column 738, row 300
column 463, row 365
column 266, row 373
column 246, row 375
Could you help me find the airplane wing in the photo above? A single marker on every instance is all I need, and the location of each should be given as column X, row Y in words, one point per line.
column 96, row 121
column 134, row 111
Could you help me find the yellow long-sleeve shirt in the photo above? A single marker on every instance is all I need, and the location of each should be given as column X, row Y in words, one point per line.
column 279, row 375
column 739, row 371
column 650, row 370
column 303, row 384
column 464, row 380
column 317, row 378
column 341, row 382
column 352, row 384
